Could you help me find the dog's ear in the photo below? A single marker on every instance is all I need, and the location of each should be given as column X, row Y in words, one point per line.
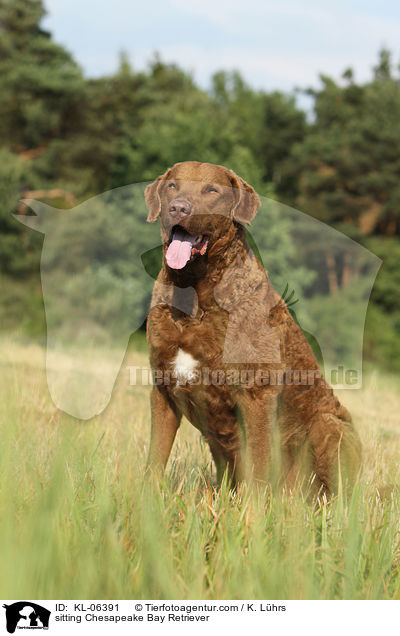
column 152, row 196
column 247, row 200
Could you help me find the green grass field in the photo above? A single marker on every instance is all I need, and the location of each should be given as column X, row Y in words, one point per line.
column 79, row 521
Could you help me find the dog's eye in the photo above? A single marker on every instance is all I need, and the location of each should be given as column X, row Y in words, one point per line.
column 211, row 189
column 172, row 185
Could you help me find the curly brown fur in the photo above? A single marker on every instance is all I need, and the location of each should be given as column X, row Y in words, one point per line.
column 237, row 324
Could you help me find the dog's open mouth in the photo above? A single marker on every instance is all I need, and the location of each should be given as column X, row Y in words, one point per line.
column 183, row 247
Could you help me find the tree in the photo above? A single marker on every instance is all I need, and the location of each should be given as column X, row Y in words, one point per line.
column 39, row 80
column 347, row 168
column 40, row 85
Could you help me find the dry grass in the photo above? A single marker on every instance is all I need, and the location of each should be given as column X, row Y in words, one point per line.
column 79, row 520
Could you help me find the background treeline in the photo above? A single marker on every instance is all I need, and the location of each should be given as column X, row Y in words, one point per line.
column 65, row 138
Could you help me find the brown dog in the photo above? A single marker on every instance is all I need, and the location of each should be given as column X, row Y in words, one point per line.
column 215, row 317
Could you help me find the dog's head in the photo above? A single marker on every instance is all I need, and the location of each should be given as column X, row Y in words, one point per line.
column 198, row 204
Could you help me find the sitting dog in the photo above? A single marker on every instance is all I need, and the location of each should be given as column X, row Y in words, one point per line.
column 216, row 318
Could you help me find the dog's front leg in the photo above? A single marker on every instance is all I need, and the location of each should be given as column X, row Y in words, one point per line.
column 165, row 420
column 258, row 412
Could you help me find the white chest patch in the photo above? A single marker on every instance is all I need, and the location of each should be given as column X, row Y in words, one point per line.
column 184, row 367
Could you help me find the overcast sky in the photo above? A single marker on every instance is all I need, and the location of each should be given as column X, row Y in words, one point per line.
column 277, row 44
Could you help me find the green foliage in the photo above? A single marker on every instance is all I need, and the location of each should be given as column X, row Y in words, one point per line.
column 92, row 269
column 61, row 132
column 348, row 165
column 386, row 291
column 338, row 314
column 19, row 252
column 39, row 81
column 382, row 338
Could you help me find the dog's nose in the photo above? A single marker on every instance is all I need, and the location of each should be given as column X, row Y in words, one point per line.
column 179, row 208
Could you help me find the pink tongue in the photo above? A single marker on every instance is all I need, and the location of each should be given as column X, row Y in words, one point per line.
column 180, row 250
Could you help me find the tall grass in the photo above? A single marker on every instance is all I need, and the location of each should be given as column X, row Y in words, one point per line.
column 78, row 519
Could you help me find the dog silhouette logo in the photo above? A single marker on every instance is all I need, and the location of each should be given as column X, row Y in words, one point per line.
column 98, row 267
column 26, row 615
